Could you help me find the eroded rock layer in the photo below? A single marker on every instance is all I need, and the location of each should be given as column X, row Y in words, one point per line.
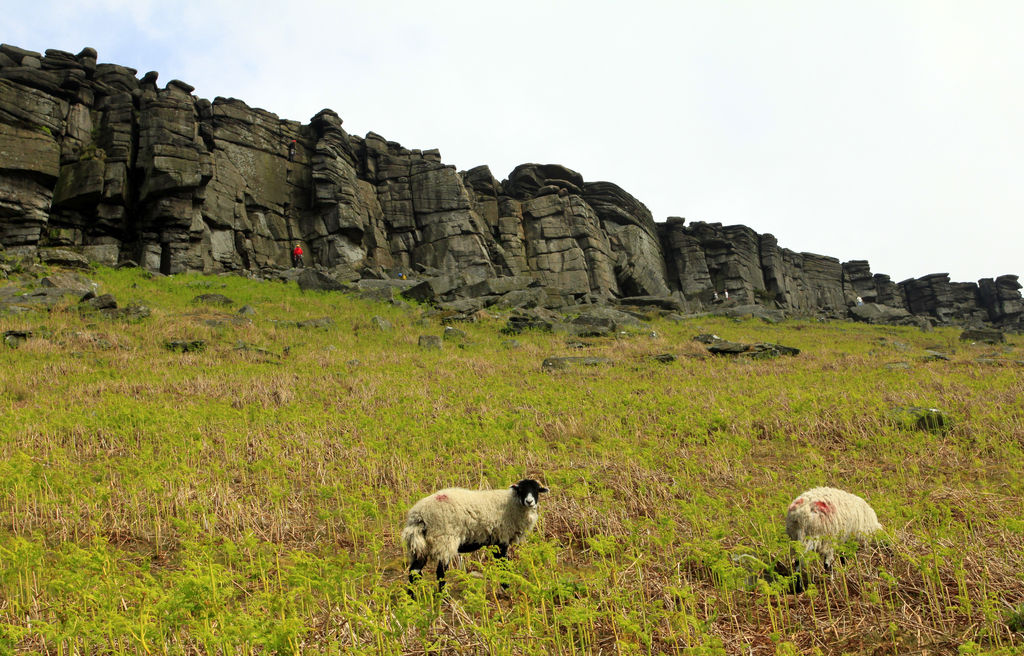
column 112, row 165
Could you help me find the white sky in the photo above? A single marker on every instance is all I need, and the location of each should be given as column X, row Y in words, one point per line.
column 883, row 130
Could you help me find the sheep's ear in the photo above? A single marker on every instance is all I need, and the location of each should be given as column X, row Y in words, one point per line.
column 543, row 489
column 515, row 486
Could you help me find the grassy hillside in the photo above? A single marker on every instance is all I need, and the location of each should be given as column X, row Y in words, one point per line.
column 247, row 497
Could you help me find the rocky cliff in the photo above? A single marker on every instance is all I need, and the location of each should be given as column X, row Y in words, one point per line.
column 97, row 159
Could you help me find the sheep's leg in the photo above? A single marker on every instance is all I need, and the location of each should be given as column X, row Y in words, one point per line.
column 802, row 578
column 416, row 568
column 502, row 554
column 442, row 566
column 828, row 556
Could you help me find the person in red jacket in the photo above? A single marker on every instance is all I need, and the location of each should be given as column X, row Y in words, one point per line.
column 297, row 256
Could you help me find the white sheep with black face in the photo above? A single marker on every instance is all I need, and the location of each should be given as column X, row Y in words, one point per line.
column 822, row 517
column 456, row 520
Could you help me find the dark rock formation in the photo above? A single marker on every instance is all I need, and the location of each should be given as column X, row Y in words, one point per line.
column 111, row 167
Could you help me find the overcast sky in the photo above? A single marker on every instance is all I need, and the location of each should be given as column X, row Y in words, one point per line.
column 888, row 131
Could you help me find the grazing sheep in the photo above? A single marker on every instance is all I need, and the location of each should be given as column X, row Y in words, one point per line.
column 823, row 516
column 456, row 520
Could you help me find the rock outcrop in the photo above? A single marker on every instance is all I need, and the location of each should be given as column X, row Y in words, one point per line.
column 97, row 160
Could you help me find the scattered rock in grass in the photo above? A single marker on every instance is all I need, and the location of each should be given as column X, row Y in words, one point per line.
column 725, row 347
column 454, row 334
column 99, row 343
column 102, row 302
column 998, row 362
column 448, row 317
column 511, row 344
column 382, row 291
column 518, row 324
column 760, row 350
column 264, row 353
column 983, row 336
column 322, row 322
column 71, row 282
column 186, row 346
column 381, row 324
column 567, row 362
column 898, row 365
column 247, row 310
column 213, row 299
column 576, row 345
column 664, row 358
column 16, row 299
column 601, row 321
column 587, row 331
column 15, row 338
column 931, row 356
column 707, row 338
column 931, row 420
column 430, row 342
column 133, row 312
column 763, row 350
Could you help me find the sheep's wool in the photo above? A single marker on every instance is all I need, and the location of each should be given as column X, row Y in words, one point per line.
column 438, row 524
column 822, row 516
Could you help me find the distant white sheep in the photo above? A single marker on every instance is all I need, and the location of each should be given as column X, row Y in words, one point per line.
column 824, row 516
column 456, row 520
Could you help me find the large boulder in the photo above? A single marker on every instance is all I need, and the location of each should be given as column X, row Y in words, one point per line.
column 527, row 180
column 316, row 280
column 878, row 314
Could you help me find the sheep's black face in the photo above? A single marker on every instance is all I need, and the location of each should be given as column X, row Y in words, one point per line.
column 528, row 492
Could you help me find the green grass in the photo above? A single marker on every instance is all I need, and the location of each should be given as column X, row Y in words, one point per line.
column 238, row 500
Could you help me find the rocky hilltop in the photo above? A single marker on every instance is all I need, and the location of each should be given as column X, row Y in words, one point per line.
column 96, row 159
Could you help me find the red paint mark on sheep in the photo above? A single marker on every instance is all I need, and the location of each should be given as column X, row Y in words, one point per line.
column 822, row 507
column 441, row 497
column 796, row 503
